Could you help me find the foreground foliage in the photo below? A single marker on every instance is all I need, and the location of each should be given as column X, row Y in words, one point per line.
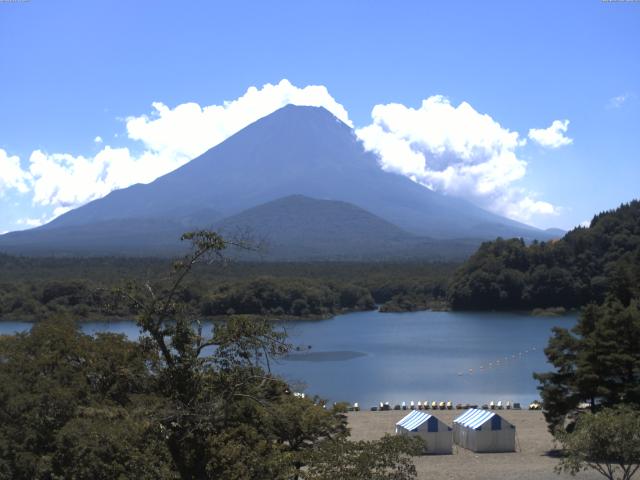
column 74, row 404
column 182, row 403
column 385, row 459
column 607, row 442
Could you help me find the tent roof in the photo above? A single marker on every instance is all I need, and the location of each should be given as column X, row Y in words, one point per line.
column 474, row 418
column 414, row 420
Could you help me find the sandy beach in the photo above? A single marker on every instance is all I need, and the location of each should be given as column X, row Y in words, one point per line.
column 530, row 462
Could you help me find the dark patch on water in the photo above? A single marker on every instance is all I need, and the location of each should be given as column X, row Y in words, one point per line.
column 337, row 356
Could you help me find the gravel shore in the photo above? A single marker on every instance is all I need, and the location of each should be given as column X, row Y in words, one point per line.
column 530, row 462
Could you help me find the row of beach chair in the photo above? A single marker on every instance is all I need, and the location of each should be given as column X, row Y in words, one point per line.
column 499, row 405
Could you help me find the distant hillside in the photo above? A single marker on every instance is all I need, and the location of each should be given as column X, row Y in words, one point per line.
column 293, row 151
column 294, row 228
column 583, row 266
column 131, row 237
column 556, row 232
column 299, row 227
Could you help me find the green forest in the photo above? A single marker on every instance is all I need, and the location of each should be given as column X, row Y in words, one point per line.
column 583, row 267
column 34, row 288
column 505, row 274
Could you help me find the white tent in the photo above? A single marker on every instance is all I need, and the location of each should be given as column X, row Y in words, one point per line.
column 436, row 434
column 484, row 431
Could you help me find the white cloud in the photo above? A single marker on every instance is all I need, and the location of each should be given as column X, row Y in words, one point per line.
column 517, row 203
column 66, row 181
column 12, row 176
column 619, row 100
column 188, row 130
column 31, row 222
column 98, row 139
column 553, row 136
column 454, row 150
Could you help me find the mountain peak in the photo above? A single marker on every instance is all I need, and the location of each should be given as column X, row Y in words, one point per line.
column 302, row 115
column 296, row 150
column 306, row 109
column 293, row 106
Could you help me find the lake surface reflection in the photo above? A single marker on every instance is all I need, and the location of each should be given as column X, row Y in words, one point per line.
column 369, row 357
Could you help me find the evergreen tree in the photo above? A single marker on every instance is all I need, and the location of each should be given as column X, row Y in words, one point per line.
column 598, row 361
column 584, row 266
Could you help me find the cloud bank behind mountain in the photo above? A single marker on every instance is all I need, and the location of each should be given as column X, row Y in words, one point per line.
column 454, row 150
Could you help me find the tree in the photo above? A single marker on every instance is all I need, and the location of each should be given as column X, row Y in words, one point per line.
column 583, row 266
column 299, row 423
column 103, row 443
column 215, row 401
column 386, row 459
column 598, row 362
column 181, row 403
column 226, row 415
column 68, row 399
column 607, row 442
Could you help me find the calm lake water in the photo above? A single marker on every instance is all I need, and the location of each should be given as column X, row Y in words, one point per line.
column 370, row 357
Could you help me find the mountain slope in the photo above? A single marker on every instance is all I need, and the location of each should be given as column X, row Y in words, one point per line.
column 299, row 227
column 294, row 151
column 290, row 228
column 139, row 237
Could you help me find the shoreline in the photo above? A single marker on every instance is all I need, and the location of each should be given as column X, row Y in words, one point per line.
column 536, row 312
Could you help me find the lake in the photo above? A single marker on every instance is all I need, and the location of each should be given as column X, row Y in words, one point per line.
column 368, row 357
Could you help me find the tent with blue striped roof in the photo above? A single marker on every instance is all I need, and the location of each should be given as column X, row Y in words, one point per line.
column 437, row 434
column 484, row 431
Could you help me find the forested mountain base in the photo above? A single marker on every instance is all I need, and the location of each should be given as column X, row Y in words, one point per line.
column 34, row 288
column 582, row 267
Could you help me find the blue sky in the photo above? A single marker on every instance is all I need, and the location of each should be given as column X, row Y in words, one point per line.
column 74, row 71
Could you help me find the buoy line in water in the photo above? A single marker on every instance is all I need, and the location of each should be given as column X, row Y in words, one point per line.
column 493, row 364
